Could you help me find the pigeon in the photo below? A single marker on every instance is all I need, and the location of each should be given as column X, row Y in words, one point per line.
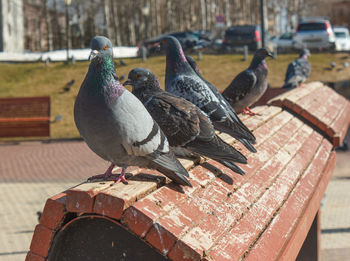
column 184, row 124
column 183, row 81
column 332, row 64
column 346, row 64
column 224, row 102
column 298, row 71
column 248, row 86
column 122, row 63
column 116, row 125
column 68, row 86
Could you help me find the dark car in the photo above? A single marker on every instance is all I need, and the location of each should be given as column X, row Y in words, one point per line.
column 241, row 35
column 189, row 41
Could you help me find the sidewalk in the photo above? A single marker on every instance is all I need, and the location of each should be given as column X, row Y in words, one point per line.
column 33, row 171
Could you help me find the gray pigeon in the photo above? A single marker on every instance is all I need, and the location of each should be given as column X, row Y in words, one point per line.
column 116, row 125
column 248, row 86
column 223, row 101
column 183, row 81
column 184, row 124
column 298, row 71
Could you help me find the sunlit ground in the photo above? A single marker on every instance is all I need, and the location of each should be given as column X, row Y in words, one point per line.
column 34, row 79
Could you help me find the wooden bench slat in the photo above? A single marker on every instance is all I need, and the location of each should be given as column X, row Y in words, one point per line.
column 270, row 246
column 177, row 222
column 238, row 240
column 31, row 119
column 319, row 105
column 25, row 117
column 158, row 195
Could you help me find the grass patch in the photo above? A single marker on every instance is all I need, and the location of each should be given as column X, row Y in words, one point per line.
column 19, row 80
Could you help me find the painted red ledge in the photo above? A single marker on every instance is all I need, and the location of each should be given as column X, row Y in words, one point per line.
column 33, row 257
column 214, row 207
column 332, row 116
column 54, row 211
column 41, row 240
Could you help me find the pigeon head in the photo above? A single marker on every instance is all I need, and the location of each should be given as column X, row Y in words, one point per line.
column 100, row 47
column 142, row 79
column 262, row 53
column 172, row 48
column 259, row 57
column 305, row 53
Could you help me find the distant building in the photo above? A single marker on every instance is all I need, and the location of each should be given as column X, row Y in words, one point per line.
column 340, row 13
column 11, row 26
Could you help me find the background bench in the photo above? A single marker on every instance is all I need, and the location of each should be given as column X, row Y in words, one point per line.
column 25, row 117
column 270, row 213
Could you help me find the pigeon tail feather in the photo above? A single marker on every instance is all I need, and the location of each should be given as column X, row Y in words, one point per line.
column 172, row 168
column 217, row 149
column 232, row 167
column 235, row 130
column 248, row 145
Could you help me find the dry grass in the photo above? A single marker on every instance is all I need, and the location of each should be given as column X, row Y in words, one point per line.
column 38, row 80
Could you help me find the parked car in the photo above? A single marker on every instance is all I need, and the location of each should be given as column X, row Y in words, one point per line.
column 241, row 35
column 314, row 33
column 342, row 38
column 189, row 41
column 283, row 42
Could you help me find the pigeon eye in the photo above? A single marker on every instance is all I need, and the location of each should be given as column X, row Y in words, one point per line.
column 163, row 41
column 138, row 76
column 106, row 46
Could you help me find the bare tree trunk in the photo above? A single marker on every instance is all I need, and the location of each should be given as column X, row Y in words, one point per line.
column 170, row 19
column 107, row 19
column 203, row 14
column 227, row 12
column 47, row 24
column 157, row 16
column 114, row 22
column 131, row 25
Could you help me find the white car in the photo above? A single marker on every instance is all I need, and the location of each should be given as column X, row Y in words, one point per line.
column 283, row 42
column 342, row 38
column 314, row 33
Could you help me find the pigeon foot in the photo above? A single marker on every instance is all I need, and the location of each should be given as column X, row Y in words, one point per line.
column 111, row 177
column 247, row 111
column 118, row 178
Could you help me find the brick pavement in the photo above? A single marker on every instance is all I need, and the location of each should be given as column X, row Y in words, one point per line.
column 33, row 171
column 55, row 161
column 335, row 214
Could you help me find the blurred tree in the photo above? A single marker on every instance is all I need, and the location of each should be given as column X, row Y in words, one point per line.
column 130, row 22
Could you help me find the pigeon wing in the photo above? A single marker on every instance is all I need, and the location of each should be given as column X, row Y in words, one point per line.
column 179, row 119
column 240, row 86
column 194, row 90
column 306, row 68
column 140, row 135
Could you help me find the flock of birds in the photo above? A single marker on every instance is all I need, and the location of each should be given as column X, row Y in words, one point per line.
column 149, row 126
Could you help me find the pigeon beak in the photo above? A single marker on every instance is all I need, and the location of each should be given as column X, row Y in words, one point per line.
column 93, row 54
column 271, row 55
column 127, row 82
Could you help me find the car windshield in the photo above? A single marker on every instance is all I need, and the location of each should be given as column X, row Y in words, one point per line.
column 312, row 27
column 340, row 34
column 244, row 30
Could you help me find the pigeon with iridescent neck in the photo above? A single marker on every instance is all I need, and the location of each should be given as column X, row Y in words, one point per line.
column 184, row 124
column 298, row 71
column 183, row 81
column 116, row 125
column 248, row 86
